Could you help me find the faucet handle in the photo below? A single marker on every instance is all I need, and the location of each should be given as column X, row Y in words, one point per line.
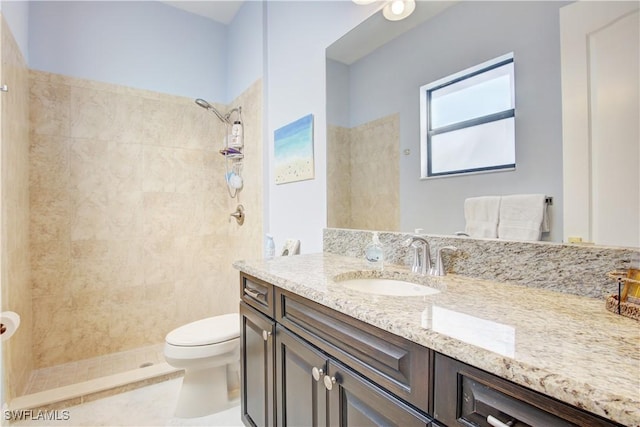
column 408, row 242
column 438, row 267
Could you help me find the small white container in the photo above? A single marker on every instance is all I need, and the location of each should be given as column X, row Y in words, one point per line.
column 374, row 253
column 269, row 248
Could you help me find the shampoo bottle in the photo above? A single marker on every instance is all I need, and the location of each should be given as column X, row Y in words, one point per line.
column 374, row 253
column 235, row 139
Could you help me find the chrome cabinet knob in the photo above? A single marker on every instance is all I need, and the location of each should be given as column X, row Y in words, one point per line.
column 266, row 335
column 329, row 382
column 317, row 373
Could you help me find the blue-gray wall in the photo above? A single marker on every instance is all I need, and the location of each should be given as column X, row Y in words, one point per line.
column 16, row 15
column 245, row 59
column 388, row 81
column 143, row 44
column 297, row 36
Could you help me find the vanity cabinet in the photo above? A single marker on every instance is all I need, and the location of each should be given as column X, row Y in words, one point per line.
column 465, row 396
column 316, row 390
column 304, row 364
column 301, row 394
column 326, row 368
column 257, row 348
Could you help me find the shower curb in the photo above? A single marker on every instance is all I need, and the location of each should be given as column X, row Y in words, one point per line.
column 87, row 391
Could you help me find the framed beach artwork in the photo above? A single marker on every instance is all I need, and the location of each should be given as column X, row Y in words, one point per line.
column 293, row 151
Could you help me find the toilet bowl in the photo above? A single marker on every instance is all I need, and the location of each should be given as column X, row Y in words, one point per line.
column 209, row 352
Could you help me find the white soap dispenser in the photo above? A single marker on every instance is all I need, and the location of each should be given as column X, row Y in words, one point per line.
column 269, row 248
column 374, row 253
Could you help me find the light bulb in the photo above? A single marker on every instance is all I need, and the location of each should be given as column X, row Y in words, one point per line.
column 397, row 7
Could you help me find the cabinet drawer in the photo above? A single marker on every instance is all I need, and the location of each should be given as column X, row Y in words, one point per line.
column 258, row 294
column 464, row 395
column 398, row 365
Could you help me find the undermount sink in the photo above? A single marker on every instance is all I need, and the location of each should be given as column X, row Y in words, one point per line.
column 389, row 287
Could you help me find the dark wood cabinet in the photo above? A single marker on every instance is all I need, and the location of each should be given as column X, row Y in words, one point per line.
column 257, row 349
column 301, row 394
column 354, row 401
column 394, row 363
column 468, row 396
column 304, row 364
column 315, row 371
column 316, row 390
column 256, row 368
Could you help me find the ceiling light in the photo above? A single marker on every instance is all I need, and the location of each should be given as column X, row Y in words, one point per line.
column 398, row 9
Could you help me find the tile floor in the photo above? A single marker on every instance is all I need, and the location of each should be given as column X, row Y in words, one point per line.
column 89, row 369
column 147, row 406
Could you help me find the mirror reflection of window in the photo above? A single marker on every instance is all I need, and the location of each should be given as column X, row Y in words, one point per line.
column 467, row 120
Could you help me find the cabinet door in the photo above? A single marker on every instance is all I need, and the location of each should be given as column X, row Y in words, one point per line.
column 301, row 395
column 353, row 401
column 256, row 368
column 394, row 363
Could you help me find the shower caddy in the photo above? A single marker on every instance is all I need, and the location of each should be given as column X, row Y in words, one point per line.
column 233, row 151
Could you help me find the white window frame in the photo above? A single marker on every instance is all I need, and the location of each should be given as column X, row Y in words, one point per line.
column 426, row 132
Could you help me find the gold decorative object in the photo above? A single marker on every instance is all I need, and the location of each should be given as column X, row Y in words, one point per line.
column 627, row 302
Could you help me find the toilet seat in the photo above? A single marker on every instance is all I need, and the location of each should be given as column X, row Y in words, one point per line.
column 211, row 330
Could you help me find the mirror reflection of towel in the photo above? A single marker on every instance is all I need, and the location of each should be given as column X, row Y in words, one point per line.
column 523, row 217
column 481, row 216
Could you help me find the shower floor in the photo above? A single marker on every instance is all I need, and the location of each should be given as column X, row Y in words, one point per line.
column 96, row 367
column 86, row 380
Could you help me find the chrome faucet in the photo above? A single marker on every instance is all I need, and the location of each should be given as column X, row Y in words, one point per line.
column 421, row 264
column 438, row 266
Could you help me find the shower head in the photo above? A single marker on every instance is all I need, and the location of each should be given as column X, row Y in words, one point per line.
column 204, row 104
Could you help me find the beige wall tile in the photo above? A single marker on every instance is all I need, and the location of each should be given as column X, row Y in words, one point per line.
column 141, row 209
column 15, row 268
column 363, row 176
column 50, row 216
column 124, row 167
column 49, row 108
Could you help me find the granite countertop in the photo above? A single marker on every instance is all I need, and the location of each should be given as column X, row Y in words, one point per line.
column 565, row 346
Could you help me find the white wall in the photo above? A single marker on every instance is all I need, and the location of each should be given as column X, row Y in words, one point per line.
column 176, row 52
column 297, row 36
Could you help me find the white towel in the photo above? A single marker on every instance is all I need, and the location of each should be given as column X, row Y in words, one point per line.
column 522, row 217
column 481, row 216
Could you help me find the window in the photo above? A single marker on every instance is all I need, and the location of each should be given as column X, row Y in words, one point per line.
column 467, row 121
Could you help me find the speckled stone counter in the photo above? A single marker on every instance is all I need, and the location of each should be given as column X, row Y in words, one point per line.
column 565, row 346
column 568, row 268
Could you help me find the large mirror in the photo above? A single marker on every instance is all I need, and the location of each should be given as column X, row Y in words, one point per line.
column 373, row 114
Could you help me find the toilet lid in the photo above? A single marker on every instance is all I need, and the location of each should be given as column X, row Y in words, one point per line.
column 211, row 330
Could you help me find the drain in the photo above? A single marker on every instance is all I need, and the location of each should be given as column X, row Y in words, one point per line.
column 146, row 364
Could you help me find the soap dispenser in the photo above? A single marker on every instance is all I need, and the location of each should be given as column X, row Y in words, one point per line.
column 269, row 248
column 374, row 253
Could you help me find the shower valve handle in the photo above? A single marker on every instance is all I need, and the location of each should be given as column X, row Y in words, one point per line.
column 238, row 214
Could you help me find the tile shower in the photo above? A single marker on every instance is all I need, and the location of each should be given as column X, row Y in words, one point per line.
column 16, row 268
column 368, row 158
column 130, row 234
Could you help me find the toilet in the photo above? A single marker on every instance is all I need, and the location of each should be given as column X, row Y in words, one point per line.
column 209, row 352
